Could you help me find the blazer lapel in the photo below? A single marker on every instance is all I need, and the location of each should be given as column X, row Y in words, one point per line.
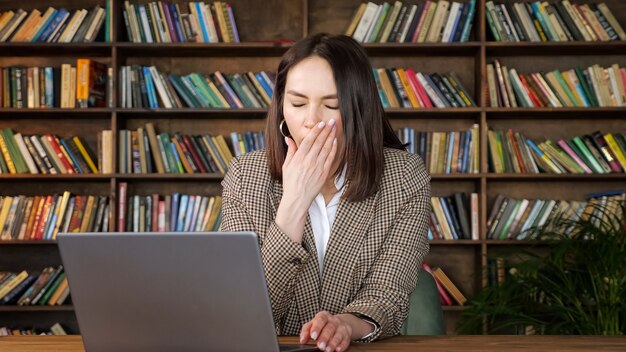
column 348, row 231
column 309, row 285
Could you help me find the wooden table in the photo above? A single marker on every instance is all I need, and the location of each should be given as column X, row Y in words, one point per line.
column 399, row 343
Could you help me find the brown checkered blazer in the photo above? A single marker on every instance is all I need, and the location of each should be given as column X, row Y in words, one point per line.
column 374, row 253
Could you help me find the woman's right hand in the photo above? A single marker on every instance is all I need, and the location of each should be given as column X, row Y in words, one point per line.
column 305, row 171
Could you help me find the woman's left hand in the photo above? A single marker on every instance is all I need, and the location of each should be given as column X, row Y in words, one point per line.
column 332, row 332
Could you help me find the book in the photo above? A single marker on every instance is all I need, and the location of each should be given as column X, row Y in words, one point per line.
column 443, row 295
column 449, row 286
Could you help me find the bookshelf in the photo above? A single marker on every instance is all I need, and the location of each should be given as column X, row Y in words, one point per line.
column 261, row 27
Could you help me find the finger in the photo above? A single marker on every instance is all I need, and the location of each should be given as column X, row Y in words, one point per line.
column 327, row 334
column 327, row 154
column 337, row 340
column 345, row 343
column 321, row 139
column 305, row 333
column 291, row 149
column 310, row 138
column 328, row 163
column 318, row 323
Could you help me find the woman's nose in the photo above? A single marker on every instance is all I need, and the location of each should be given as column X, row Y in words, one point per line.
column 314, row 117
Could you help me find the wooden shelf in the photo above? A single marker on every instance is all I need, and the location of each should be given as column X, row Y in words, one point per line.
column 617, row 47
column 555, row 114
column 170, row 177
column 202, row 49
column 572, row 112
column 529, row 113
column 189, row 110
column 92, row 177
column 278, row 48
column 517, row 243
column 56, row 49
column 447, row 113
column 62, row 308
column 422, row 49
column 550, row 109
column 57, row 177
column 217, row 176
column 274, row 48
column 28, row 243
column 390, row 111
column 191, row 113
column 455, row 242
column 470, row 177
column 578, row 112
column 71, row 113
column 562, row 177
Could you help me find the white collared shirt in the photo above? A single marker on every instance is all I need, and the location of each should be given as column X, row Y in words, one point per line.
column 323, row 216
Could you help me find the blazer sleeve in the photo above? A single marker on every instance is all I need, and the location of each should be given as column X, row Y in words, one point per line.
column 384, row 296
column 283, row 259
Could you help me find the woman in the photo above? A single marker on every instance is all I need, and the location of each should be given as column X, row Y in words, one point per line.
column 340, row 208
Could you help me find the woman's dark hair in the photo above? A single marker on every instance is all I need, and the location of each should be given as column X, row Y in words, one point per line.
column 366, row 128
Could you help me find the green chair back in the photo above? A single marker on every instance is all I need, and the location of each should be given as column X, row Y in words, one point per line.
column 425, row 313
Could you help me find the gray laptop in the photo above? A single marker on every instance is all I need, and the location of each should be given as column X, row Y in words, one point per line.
column 170, row 292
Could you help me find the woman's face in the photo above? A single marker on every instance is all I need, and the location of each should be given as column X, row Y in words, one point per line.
column 311, row 97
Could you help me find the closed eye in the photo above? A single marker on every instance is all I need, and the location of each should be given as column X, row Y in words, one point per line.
column 332, row 107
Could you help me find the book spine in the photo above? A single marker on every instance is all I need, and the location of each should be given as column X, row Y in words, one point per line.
column 598, row 138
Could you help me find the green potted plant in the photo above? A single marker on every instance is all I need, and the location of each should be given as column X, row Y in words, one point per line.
column 577, row 287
